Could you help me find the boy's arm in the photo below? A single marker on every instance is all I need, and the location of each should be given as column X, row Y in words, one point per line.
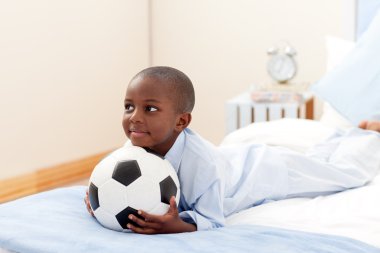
column 207, row 209
column 161, row 224
column 206, row 212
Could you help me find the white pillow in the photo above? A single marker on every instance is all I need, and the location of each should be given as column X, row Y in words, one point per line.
column 330, row 117
column 296, row 134
column 337, row 49
column 353, row 87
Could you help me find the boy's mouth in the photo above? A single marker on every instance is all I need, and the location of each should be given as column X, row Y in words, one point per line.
column 137, row 133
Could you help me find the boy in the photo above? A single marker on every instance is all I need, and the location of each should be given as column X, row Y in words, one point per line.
column 216, row 182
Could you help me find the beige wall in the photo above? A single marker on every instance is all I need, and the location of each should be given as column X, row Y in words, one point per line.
column 64, row 66
column 221, row 45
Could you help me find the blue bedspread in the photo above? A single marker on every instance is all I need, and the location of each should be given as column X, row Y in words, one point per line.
column 57, row 221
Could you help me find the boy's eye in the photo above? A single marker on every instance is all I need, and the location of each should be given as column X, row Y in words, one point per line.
column 150, row 108
column 128, row 107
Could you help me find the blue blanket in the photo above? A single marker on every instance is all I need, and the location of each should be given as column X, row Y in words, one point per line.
column 57, row 221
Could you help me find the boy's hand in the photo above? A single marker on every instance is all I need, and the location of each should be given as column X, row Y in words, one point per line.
column 87, row 203
column 370, row 125
column 161, row 224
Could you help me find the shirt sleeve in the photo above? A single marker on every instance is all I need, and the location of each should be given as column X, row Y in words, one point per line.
column 201, row 174
column 207, row 211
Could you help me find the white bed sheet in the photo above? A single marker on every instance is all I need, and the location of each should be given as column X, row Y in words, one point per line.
column 5, row 251
column 353, row 213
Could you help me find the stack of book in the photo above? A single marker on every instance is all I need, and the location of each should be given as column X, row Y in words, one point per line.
column 275, row 93
column 276, row 97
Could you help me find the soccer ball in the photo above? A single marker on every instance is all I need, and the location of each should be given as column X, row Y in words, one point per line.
column 130, row 179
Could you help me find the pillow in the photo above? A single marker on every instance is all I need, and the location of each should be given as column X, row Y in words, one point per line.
column 296, row 134
column 353, row 87
column 337, row 49
column 330, row 117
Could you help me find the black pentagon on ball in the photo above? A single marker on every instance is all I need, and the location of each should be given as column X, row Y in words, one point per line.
column 123, row 219
column 93, row 196
column 126, row 172
column 168, row 189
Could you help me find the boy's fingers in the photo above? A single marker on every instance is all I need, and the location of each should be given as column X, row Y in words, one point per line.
column 363, row 124
column 143, row 223
column 88, row 209
column 173, row 205
column 138, row 221
column 149, row 217
column 158, row 218
column 140, row 230
column 373, row 125
column 87, row 203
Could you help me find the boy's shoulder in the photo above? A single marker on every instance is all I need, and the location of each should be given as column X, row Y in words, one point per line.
column 193, row 138
column 196, row 145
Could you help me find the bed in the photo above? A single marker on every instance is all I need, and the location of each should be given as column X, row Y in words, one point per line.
column 57, row 220
column 346, row 222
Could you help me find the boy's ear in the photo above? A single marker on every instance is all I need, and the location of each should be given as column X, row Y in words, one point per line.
column 183, row 121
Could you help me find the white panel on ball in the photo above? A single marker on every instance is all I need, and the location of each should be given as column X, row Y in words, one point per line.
column 159, row 209
column 112, row 196
column 143, row 193
column 152, row 167
column 128, row 152
column 102, row 171
column 107, row 219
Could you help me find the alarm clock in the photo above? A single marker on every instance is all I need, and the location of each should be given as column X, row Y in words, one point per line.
column 282, row 66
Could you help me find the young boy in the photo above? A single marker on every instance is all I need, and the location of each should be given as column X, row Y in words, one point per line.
column 216, row 182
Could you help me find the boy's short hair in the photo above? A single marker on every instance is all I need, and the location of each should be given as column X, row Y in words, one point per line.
column 178, row 82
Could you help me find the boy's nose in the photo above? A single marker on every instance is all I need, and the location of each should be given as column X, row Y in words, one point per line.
column 136, row 116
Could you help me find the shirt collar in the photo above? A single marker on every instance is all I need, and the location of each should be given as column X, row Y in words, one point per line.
column 174, row 155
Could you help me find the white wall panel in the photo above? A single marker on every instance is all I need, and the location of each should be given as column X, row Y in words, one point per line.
column 221, row 45
column 64, row 67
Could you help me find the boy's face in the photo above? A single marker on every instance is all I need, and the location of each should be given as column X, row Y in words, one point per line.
column 150, row 117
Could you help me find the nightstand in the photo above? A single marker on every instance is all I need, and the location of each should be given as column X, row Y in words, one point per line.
column 242, row 110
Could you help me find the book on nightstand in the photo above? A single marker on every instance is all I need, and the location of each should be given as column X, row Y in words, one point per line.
column 278, row 93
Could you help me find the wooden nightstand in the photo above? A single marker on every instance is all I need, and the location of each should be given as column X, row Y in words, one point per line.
column 242, row 110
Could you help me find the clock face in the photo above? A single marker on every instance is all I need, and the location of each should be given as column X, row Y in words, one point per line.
column 282, row 67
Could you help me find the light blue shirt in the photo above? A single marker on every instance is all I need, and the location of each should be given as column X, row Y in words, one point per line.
column 211, row 188
column 218, row 181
